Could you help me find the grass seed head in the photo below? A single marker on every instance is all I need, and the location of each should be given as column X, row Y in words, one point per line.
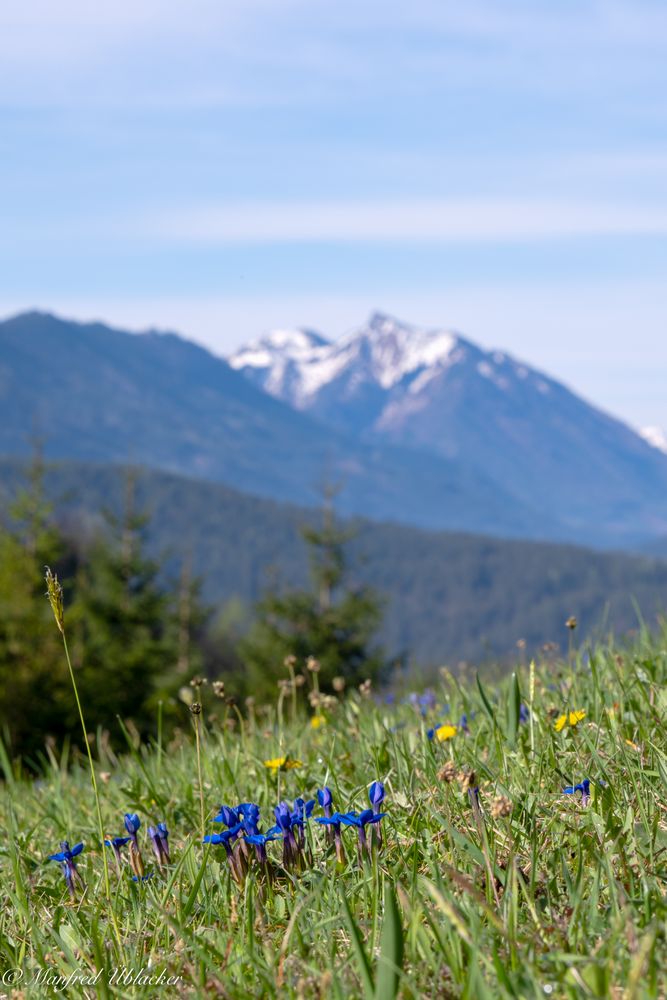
column 54, row 592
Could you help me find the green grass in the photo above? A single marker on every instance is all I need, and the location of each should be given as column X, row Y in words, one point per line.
column 557, row 899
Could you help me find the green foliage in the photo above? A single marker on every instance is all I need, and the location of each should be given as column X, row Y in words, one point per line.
column 33, row 679
column 123, row 627
column 329, row 622
column 448, row 597
column 129, row 637
column 460, row 902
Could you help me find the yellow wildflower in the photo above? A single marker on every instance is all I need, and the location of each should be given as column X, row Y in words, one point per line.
column 633, row 745
column 571, row 719
column 317, row 721
column 444, row 732
column 284, row 763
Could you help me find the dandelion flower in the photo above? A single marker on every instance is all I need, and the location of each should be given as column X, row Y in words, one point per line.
column 569, row 719
column 282, row 763
column 444, row 732
column 317, row 721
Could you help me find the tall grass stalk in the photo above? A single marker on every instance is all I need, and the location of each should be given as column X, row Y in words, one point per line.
column 196, row 718
column 54, row 592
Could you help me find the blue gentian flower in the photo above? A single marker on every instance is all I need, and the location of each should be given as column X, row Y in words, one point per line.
column 66, row 854
column 361, row 821
column 332, row 824
column 68, row 865
column 302, row 812
column 132, row 824
column 164, row 837
column 236, row 859
column 249, row 814
column 115, row 843
column 264, row 838
column 376, row 798
column 524, row 713
column 325, row 799
column 224, row 838
column 463, row 723
column 160, row 838
column 584, row 787
column 285, row 820
column 376, row 795
column 228, row 816
column 300, row 815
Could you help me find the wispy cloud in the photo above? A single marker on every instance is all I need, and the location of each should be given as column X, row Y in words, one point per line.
column 205, row 52
column 425, row 221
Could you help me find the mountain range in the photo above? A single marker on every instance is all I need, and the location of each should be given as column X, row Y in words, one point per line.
column 419, row 427
column 434, row 392
column 97, row 394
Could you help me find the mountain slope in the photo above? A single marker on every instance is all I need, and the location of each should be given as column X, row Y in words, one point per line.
column 449, row 596
column 98, row 394
column 435, row 392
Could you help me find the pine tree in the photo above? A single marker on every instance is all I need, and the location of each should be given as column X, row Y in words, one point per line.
column 32, row 672
column 126, row 625
column 330, row 620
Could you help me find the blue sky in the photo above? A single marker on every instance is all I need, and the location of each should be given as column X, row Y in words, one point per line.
column 220, row 168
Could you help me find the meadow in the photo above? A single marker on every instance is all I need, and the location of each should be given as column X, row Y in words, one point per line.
column 522, row 850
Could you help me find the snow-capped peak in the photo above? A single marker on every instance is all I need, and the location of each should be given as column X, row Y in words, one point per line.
column 296, row 364
column 277, row 344
column 394, row 349
column 656, row 437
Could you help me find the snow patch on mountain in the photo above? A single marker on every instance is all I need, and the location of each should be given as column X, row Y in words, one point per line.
column 296, row 365
column 656, row 437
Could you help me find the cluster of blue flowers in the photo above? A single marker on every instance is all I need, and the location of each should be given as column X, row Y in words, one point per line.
column 243, row 838
column 159, row 837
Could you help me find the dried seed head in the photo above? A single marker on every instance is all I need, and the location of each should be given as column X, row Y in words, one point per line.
column 313, row 665
column 290, row 661
column 467, row 779
column 501, row 806
column 338, row 684
column 365, row 689
column 250, row 702
column 448, row 772
column 54, row 592
column 299, row 680
column 195, row 708
column 314, row 699
column 197, row 682
column 571, row 623
column 219, row 689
